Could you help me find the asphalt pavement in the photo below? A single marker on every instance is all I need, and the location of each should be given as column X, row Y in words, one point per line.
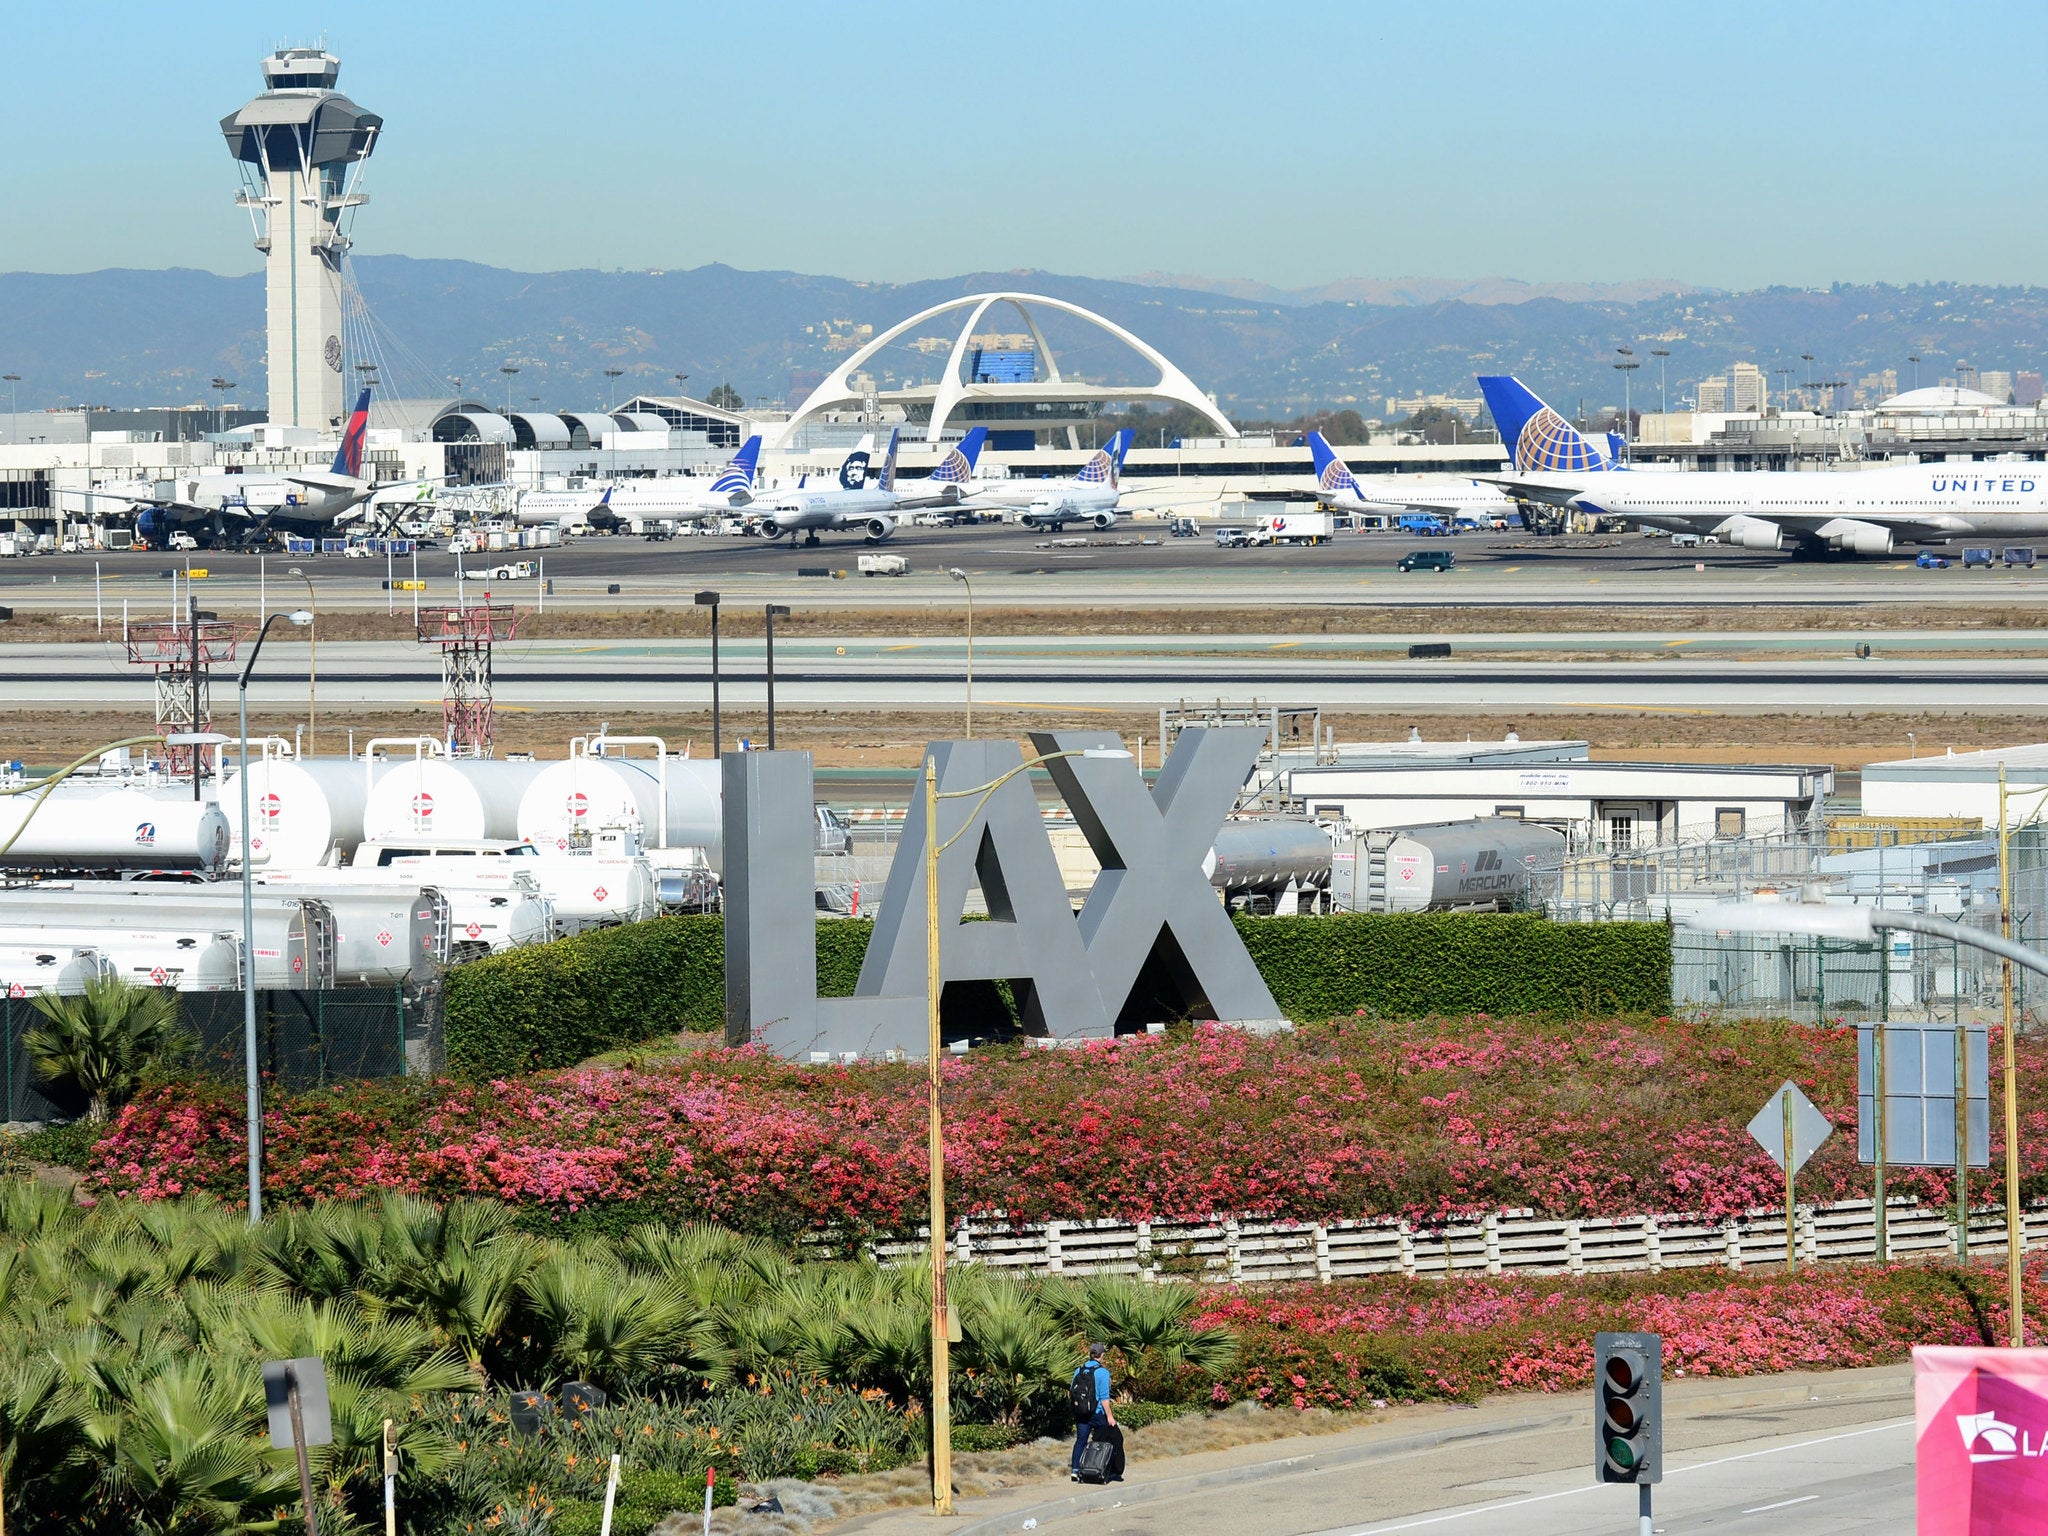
column 1817, row 1453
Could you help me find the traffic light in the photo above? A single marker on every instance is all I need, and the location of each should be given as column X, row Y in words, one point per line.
column 1628, row 1407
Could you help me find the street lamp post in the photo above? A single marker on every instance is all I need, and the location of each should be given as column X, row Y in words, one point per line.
column 312, row 662
column 12, row 408
column 1807, row 358
column 1661, row 353
column 775, row 611
column 1861, row 925
column 253, row 1077
column 509, row 371
column 710, row 600
column 1914, row 359
column 681, row 379
column 1627, row 366
column 611, row 390
column 942, row 1318
column 960, row 576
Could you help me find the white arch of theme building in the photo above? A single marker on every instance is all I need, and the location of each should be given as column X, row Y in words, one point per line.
column 952, row 390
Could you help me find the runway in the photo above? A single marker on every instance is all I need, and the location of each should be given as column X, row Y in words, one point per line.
column 1009, row 566
column 1079, row 675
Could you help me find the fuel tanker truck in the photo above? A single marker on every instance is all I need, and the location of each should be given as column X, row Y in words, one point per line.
column 1477, row 865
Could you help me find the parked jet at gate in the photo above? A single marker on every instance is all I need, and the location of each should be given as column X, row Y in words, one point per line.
column 229, row 507
column 1858, row 512
column 873, row 511
column 1090, row 496
column 680, row 498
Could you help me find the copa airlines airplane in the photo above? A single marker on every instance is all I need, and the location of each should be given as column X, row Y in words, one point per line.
column 1856, row 512
column 683, row 498
column 803, row 515
column 1541, row 442
column 228, row 508
column 1089, row 496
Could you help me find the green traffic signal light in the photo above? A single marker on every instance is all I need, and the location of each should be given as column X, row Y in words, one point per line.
column 1629, row 1382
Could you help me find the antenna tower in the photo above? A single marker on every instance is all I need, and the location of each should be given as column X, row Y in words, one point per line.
column 182, row 653
column 466, row 636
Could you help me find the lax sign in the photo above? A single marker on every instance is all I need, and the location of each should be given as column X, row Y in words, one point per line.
column 1152, row 940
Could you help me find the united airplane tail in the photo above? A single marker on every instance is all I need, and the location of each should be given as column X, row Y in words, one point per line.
column 1537, row 437
column 889, row 461
column 349, row 460
column 957, row 467
column 739, row 474
column 1107, row 461
column 1332, row 473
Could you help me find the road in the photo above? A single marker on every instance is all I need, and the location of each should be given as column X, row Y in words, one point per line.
column 1820, row 1453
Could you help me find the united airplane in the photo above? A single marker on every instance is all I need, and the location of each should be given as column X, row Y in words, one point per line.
column 1854, row 512
column 1089, row 496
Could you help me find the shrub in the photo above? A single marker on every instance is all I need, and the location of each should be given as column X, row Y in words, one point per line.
column 67, row 1146
column 553, row 1005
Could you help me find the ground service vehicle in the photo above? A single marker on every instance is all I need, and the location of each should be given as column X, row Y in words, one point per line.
column 1427, row 560
column 884, row 565
column 1930, row 561
column 1232, row 538
column 2021, row 555
column 1974, row 559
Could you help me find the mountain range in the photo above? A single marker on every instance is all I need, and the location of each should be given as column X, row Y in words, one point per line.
column 131, row 337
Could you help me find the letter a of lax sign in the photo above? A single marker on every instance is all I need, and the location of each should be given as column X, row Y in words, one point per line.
column 1982, row 1424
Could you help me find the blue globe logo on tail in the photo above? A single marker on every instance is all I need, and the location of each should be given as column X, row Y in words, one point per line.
column 1538, row 437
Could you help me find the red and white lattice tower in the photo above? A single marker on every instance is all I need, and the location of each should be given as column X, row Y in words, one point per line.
column 466, row 636
column 182, row 654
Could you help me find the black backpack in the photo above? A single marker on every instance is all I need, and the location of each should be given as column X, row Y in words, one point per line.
column 1081, row 1393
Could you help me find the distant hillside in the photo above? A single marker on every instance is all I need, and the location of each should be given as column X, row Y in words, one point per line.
column 142, row 337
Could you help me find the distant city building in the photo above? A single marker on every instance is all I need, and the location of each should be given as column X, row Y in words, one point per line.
column 1995, row 382
column 2026, row 388
column 1467, row 406
column 1749, row 388
column 1713, row 394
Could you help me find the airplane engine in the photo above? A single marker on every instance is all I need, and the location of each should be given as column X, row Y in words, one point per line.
column 879, row 528
column 1753, row 533
column 770, row 529
column 1853, row 536
column 1104, row 520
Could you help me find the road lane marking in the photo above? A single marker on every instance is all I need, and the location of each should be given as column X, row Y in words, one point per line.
column 1544, row 1498
column 1764, row 1509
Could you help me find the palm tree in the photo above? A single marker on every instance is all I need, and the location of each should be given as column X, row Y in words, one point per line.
column 103, row 1039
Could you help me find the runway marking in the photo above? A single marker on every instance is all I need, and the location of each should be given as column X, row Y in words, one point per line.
column 1079, row 709
column 1671, row 643
column 1544, row 1498
column 1762, row 1509
column 911, row 646
column 1285, row 645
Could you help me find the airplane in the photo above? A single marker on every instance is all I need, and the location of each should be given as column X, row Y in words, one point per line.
column 1089, row 496
column 1854, row 512
column 803, row 514
column 682, row 498
column 306, row 502
column 1540, row 441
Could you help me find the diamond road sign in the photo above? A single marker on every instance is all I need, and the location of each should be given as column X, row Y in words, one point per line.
column 1809, row 1127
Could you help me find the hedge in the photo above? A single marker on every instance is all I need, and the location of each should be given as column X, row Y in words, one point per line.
column 553, row 1005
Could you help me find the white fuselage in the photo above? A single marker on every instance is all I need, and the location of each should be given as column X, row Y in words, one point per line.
column 814, row 512
column 557, row 509
column 1049, row 502
column 1455, row 498
column 1857, row 511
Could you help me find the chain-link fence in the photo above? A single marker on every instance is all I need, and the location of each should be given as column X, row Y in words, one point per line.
column 303, row 1040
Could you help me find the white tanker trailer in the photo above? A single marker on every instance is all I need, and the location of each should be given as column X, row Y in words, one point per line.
column 446, row 798
column 1480, row 864
column 174, row 929
column 384, row 930
column 87, row 824
column 669, row 802
column 303, row 811
column 29, row 968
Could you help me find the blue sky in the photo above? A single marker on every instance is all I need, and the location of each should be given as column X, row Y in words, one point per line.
column 1734, row 145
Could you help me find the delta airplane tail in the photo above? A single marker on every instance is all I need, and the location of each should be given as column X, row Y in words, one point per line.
column 889, row 461
column 957, row 468
column 739, row 474
column 1332, row 473
column 349, row 460
column 1537, row 437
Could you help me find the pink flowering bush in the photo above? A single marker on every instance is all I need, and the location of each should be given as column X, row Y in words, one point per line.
column 1395, row 1339
column 1430, row 1120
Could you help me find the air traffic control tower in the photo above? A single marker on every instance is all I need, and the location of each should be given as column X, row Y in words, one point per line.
column 301, row 147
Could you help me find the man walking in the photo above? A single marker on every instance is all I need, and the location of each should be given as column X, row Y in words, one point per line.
column 1094, row 1419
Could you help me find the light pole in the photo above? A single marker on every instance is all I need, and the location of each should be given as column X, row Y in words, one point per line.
column 510, row 372
column 1661, row 353
column 1807, row 358
column 681, row 379
column 253, row 1078
column 312, row 661
column 1627, row 366
column 611, row 390
column 1914, row 359
column 1860, row 925
column 960, row 576
column 774, row 611
column 1784, row 389
column 710, row 600
column 942, row 1387
column 12, row 408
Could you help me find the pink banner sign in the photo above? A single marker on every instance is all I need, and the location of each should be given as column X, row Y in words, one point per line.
column 1982, row 1441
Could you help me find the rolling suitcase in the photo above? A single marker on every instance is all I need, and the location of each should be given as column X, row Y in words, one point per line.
column 1096, row 1457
